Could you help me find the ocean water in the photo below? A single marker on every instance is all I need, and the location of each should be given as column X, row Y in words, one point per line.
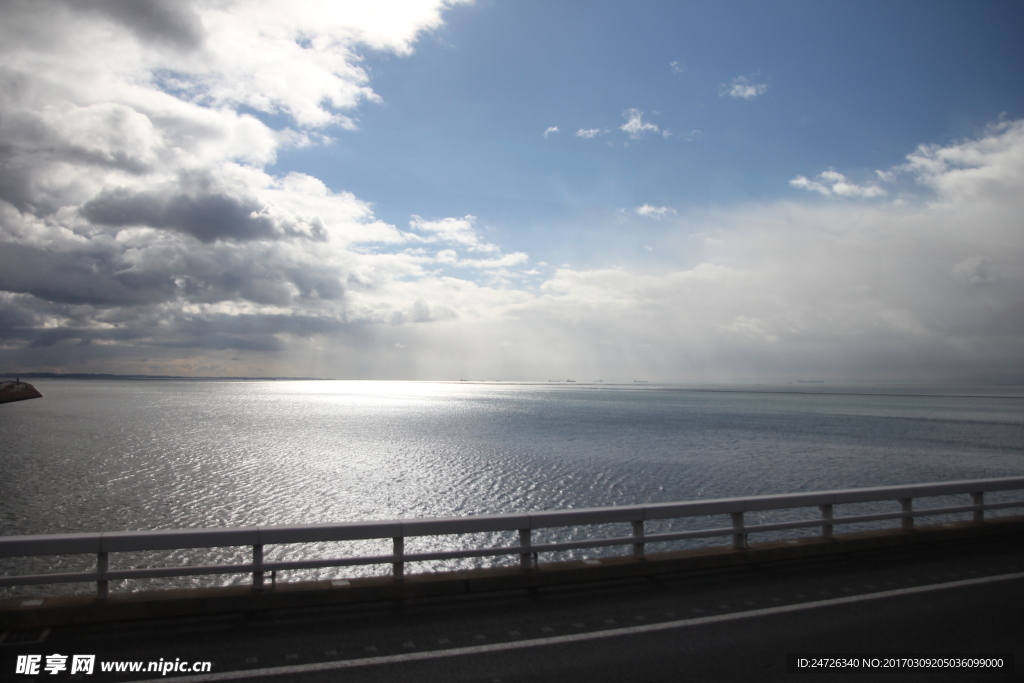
column 126, row 455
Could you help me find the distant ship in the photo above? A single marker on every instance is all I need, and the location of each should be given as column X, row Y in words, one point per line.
column 17, row 391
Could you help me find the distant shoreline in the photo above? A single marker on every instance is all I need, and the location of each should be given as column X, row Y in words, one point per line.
column 84, row 375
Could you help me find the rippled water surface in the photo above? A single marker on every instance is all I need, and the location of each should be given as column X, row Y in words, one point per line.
column 118, row 455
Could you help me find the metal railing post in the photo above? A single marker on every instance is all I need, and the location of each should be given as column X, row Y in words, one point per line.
column 907, row 505
column 978, row 498
column 739, row 539
column 638, row 534
column 102, row 585
column 263, row 570
column 524, row 546
column 826, row 518
column 398, row 566
column 257, row 561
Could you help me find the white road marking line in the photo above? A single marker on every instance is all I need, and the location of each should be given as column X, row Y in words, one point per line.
column 580, row 637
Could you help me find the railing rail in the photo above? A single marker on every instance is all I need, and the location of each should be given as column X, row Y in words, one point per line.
column 103, row 543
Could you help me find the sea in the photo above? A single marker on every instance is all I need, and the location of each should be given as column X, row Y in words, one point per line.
column 98, row 455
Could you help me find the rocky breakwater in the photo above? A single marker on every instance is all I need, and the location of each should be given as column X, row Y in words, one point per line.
column 17, row 391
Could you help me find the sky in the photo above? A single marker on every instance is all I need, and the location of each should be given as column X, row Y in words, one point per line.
column 438, row 190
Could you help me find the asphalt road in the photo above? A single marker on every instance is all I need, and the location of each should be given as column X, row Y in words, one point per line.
column 737, row 625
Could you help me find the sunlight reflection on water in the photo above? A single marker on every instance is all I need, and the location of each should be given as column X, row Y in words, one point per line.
column 107, row 455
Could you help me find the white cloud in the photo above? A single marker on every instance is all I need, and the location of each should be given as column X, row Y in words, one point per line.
column 921, row 289
column 973, row 170
column 925, row 289
column 507, row 261
column 458, row 231
column 832, row 183
column 588, row 132
column 635, row 126
column 649, row 211
column 300, row 59
column 677, row 67
column 549, row 131
column 742, row 88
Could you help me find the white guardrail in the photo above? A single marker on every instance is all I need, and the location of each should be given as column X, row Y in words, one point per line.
column 104, row 543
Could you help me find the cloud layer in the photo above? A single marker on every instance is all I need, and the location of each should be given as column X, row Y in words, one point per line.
column 742, row 88
column 135, row 209
column 834, row 183
column 140, row 230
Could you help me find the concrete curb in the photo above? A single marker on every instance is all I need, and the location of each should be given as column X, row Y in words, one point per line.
column 162, row 604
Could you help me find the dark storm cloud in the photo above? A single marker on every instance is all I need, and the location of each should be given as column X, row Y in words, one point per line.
column 208, row 218
column 46, row 338
column 295, row 325
column 166, row 21
column 153, row 327
column 219, row 341
column 17, row 322
column 78, row 278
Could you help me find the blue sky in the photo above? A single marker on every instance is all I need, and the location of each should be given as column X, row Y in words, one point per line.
column 420, row 189
column 850, row 86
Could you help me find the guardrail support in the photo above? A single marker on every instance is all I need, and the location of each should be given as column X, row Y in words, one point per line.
column 638, row 534
column 739, row 539
column 907, row 505
column 85, row 545
column 257, row 560
column 826, row 516
column 398, row 566
column 102, row 585
column 524, row 545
